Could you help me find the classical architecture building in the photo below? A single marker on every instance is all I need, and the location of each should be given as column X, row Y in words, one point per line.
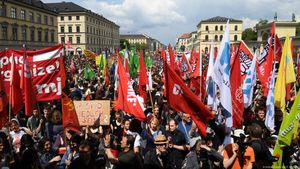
column 182, row 41
column 29, row 22
column 143, row 39
column 82, row 29
column 213, row 29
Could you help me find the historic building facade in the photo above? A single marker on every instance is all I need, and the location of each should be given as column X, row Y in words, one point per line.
column 29, row 22
column 82, row 29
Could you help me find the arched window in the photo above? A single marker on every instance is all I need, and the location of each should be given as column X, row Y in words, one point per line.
column 221, row 37
column 221, row 28
column 206, row 37
column 235, row 37
column 206, row 28
column 216, row 37
column 216, row 28
column 235, row 27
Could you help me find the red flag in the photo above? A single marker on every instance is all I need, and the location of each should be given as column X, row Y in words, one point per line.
column 181, row 98
column 69, row 116
column 196, row 65
column 15, row 96
column 3, row 97
column 237, row 98
column 106, row 77
column 143, row 80
column 27, row 87
column 233, row 53
column 246, row 57
column 265, row 62
column 127, row 99
column 171, row 55
column 186, row 67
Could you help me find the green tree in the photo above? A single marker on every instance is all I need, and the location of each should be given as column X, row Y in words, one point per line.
column 182, row 48
column 124, row 43
column 298, row 31
column 249, row 34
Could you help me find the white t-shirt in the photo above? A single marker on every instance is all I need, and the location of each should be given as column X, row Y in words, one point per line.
column 16, row 139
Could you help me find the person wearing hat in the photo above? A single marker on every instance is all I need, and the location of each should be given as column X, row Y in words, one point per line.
column 157, row 158
column 237, row 154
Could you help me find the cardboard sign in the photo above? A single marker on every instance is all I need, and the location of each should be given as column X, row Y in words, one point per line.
column 89, row 111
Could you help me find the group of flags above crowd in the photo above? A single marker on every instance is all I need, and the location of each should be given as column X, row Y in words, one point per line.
column 233, row 71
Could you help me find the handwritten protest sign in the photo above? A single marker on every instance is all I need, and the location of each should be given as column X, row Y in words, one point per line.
column 89, row 111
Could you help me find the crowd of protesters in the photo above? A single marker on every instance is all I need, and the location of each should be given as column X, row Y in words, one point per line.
column 167, row 140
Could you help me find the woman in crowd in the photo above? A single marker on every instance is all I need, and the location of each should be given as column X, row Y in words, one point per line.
column 54, row 126
column 150, row 133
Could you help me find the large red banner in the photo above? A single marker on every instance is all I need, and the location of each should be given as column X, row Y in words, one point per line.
column 46, row 67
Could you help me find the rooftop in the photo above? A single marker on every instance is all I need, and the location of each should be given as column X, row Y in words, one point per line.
column 184, row 36
column 219, row 19
column 35, row 3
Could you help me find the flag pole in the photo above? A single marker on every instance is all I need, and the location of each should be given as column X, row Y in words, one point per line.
column 200, row 73
column 10, row 86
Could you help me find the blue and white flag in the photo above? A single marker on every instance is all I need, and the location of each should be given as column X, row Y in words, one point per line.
column 249, row 83
column 221, row 75
column 269, row 121
column 211, row 86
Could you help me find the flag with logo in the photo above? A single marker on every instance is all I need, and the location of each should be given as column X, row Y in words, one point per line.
column 211, row 86
column 249, row 83
column 286, row 75
column 246, row 57
column 270, row 114
column 182, row 99
column 221, row 75
column 236, row 85
column 288, row 129
column 127, row 99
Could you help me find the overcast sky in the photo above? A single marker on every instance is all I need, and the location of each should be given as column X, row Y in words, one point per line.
column 165, row 20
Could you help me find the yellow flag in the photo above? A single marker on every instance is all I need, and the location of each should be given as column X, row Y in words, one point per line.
column 286, row 75
column 98, row 59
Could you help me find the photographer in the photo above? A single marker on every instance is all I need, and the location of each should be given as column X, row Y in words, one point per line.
column 238, row 154
column 201, row 155
column 263, row 157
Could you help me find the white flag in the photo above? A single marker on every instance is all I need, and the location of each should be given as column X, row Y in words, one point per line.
column 269, row 121
column 249, row 83
column 211, row 86
column 221, row 75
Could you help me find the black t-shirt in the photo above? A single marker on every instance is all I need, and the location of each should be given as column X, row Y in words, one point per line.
column 127, row 160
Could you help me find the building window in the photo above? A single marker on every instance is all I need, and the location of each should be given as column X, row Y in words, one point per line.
column 32, row 35
column 206, row 37
column 2, row 10
column 221, row 37
column 87, row 40
column 62, row 18
column 39, row 18
column 70, row 18
column 87, row 29
column 52, row 36
column 39, row 35
column 216, row 37
column 216, row 28
column 77, row 18
column 51, row 21
column 46, row 19
column 24, row 34
column 77, row 29
column 62, row 29
column 23, row 15
column 235, row 27
column 235, row 37
column 62, row 39
column 46, row 36
column 70, row 29
column 4, row 32
column 31, row 17
column 221, row 28
column 13, row 12
column 14, row 33
column 78, row 40
column 70, row 39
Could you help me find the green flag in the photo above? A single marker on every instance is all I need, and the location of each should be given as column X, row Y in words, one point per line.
column 134, row 63
column 287, row 130
column 88, row 73
column 102, row 62
column 148, row 61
